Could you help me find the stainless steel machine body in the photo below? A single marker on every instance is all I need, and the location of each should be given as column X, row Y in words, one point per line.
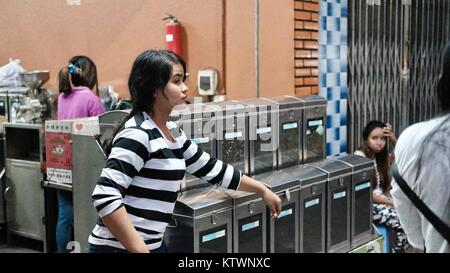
column 314, row 128
column 361, row 196
column 15, row 105
column 10, row 100
column 249, row 222
column 37, row 105
column 201, row 128
column 338, row 204
column 24, row 146
column 202, row 222
column 231, row 134
column 108, row 122
column 262, row 135
column 198, row 122
column 289, row 128
column 312, row 216
column 283, row 232
column 88, row 162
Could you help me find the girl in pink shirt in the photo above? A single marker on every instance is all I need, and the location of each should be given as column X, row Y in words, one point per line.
column 77, row 99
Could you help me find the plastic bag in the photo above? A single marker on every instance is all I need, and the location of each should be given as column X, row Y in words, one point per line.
column 9, row 74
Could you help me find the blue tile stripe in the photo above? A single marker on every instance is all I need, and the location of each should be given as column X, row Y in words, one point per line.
column 333, row 65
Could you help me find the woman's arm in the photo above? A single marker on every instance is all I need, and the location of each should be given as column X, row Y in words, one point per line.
column 203, row 166
column 378, row 199
column 123, row 230
column 272, row 200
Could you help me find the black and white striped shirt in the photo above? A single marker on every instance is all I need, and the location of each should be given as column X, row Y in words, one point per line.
column 143, row 173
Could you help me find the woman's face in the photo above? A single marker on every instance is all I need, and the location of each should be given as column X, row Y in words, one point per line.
column 175, row 90
column 376, row 140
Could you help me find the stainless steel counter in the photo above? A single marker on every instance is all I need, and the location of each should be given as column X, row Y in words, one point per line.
column 58, row 186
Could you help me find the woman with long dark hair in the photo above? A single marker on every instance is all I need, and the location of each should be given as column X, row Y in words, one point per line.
column 374, row 147
column 136, row 192
column 375, row 135
column 422, row 156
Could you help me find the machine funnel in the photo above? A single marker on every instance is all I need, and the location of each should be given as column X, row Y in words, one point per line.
column 34, row 79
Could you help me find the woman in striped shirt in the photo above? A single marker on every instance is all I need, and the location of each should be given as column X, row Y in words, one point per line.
column 137, row 189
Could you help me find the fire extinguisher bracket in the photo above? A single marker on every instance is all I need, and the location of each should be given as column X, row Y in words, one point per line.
column 171, row 18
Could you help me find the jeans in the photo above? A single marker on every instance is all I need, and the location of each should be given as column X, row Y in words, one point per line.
column 109, row 249
column 64, row 225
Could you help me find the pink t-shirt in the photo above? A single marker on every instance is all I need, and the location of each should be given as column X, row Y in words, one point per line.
column 81, row 103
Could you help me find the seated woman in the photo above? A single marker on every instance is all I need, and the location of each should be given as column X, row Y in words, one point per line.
column 374, row 146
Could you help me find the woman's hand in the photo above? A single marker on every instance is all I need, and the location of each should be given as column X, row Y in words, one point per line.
column 389, row 133
column 273, row 201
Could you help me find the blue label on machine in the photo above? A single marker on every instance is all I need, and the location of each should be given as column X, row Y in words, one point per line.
column 263, row 130
column 312, row 203
column 316, row 122
column 291, row 125
column 200, row 140
column 285, row 213
column 339, row 195
column 362, row 186
column 250, row 225
column 212, row 236
column 231, row 135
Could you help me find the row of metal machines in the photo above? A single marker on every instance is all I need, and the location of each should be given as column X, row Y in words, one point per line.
column 258, row 135
column 326, row 207
column 279, row 141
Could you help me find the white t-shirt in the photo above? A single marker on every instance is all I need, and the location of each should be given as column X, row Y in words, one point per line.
column 432, row 185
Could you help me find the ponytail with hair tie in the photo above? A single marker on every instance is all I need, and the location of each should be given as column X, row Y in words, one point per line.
column 73, row 69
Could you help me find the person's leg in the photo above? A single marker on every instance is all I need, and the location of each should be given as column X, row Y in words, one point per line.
column 65, row 220
column 387, row 215
column 399, row 237
column 380, row 214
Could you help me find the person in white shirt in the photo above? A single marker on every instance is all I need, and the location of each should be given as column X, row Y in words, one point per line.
column 422, row 156
column 375, row 135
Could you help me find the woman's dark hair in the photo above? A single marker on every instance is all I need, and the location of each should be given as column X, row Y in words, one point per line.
column 382, row 158
column 80, row 71
column 443, row 88
column 151, row 71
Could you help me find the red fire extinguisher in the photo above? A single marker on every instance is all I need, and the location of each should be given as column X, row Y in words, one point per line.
column 173, row 34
